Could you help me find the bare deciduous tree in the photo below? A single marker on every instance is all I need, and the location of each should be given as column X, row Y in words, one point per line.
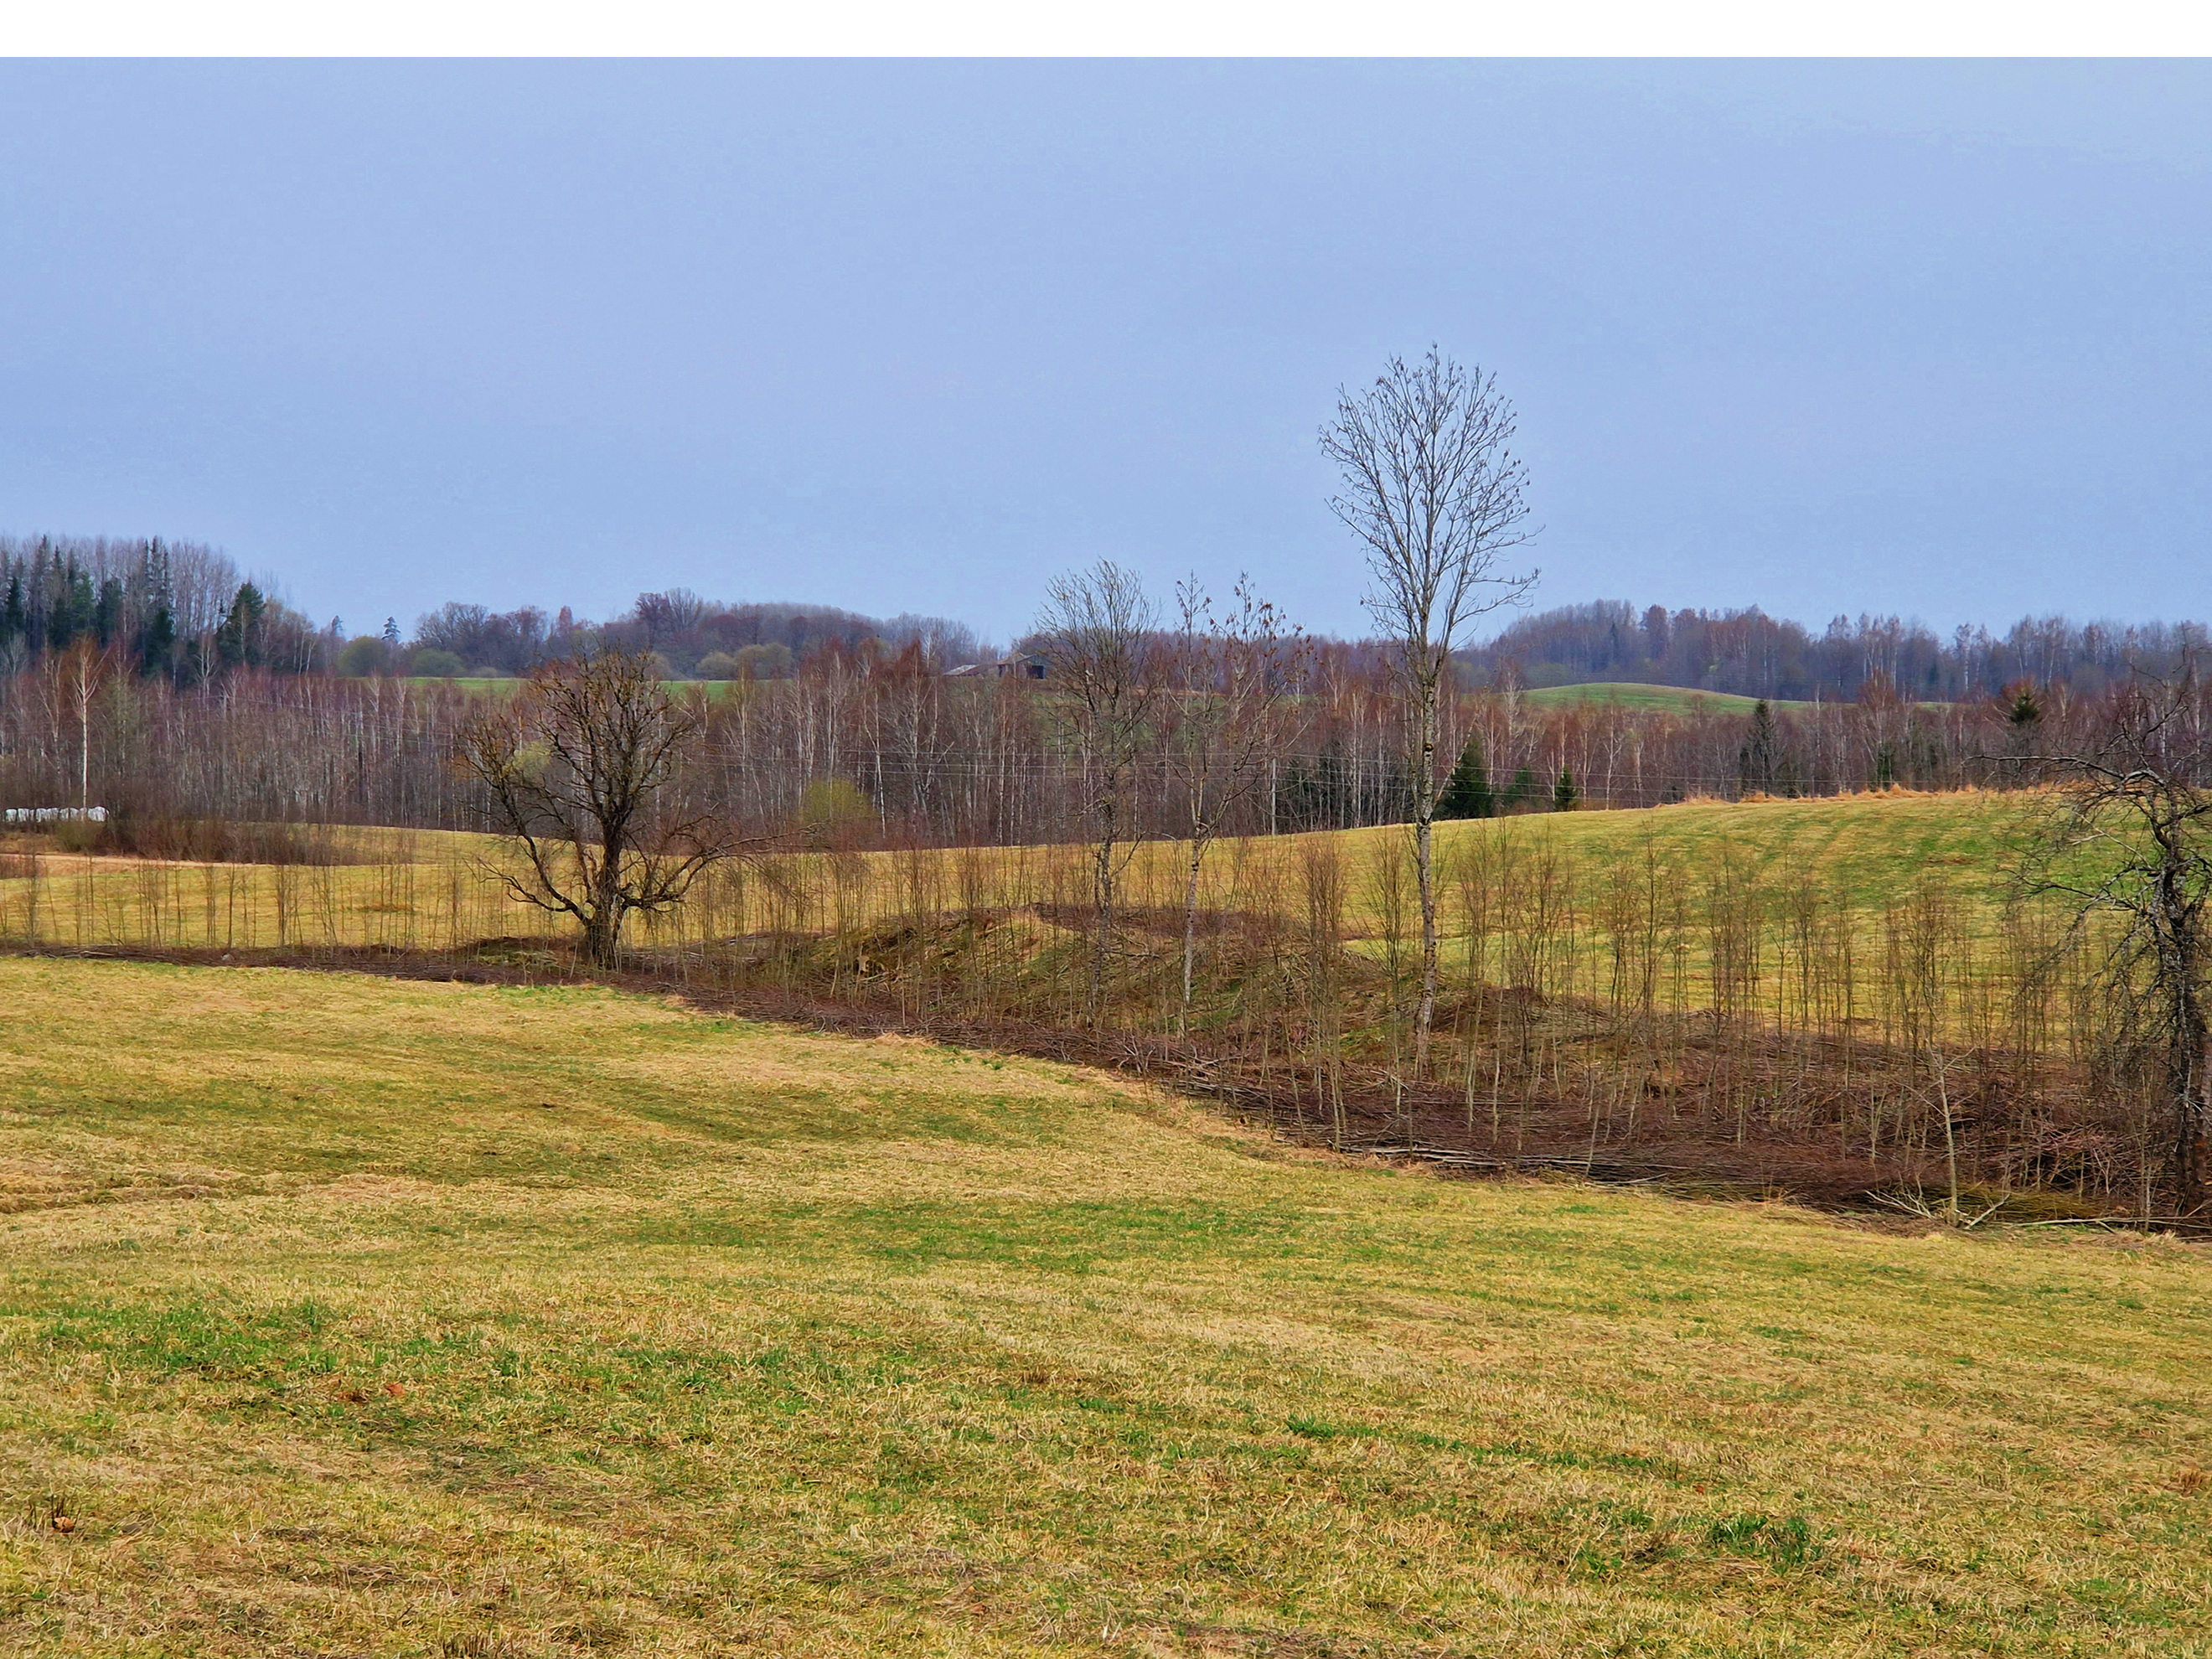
column 1096, row 635
column 81, row 672
column 2132, row 841
column 1234, row 680
column 576, row 767
column 1432, row 486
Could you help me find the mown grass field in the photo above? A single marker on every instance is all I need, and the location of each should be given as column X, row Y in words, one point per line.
column 1867, row 849
column 506, row 685
column 1673, row 699
column 344, row 1316
column 432, row 887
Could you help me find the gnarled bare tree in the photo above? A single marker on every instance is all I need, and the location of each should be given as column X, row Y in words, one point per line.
column 1432, row 487
column 578, row 767
column 2131, row 840
column 1096, row 634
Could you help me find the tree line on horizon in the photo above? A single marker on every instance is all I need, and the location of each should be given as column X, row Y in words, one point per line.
column 184, row 611
column 691, row 638
column 1746, row 652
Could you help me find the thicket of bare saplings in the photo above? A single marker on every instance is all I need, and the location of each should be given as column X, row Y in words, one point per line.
column 1642, row 1016
column 1646, row 1016
column 1653, row 1019
column 184, row 610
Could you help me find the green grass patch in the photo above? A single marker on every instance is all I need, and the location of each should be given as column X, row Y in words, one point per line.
column 1671, row 699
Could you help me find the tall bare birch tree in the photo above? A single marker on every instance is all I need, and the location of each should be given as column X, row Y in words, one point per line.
column 1096, row 635
column 1432, row 487
column 84, row 669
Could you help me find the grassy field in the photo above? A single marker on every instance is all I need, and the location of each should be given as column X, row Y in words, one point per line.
column 343, row 1315
column 506, row 685
column 429, row 886
column 436, row 892
column 1867, row 846
column 1673, row 699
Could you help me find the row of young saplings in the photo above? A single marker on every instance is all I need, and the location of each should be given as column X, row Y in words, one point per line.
column 1739, row 1019
column 1734, row 1019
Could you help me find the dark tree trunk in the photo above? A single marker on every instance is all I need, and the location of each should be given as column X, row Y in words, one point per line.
column 602, row 940
column 2192, row 1150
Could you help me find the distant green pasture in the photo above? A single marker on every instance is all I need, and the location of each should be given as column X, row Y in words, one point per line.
column 1673, row 699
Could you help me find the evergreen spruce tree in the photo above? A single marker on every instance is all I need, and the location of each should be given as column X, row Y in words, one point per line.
column 70, row 616
column 158, row 640
column 2023, row 717
column 16, row 615
column 1468, row 793
column 1521, row 791
column 107, row 611
column 1564, row 792
column 238, row 639
column 1755, row 762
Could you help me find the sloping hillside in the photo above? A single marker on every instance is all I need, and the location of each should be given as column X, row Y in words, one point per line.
column 343, row 1315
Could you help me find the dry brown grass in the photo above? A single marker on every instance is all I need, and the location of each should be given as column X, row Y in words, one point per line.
column 349, row 1316
column 423, row 889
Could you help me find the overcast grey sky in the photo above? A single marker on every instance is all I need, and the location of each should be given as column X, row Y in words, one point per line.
column 1922, row 338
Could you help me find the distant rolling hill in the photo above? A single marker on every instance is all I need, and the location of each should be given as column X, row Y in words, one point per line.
column 1681, row 699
